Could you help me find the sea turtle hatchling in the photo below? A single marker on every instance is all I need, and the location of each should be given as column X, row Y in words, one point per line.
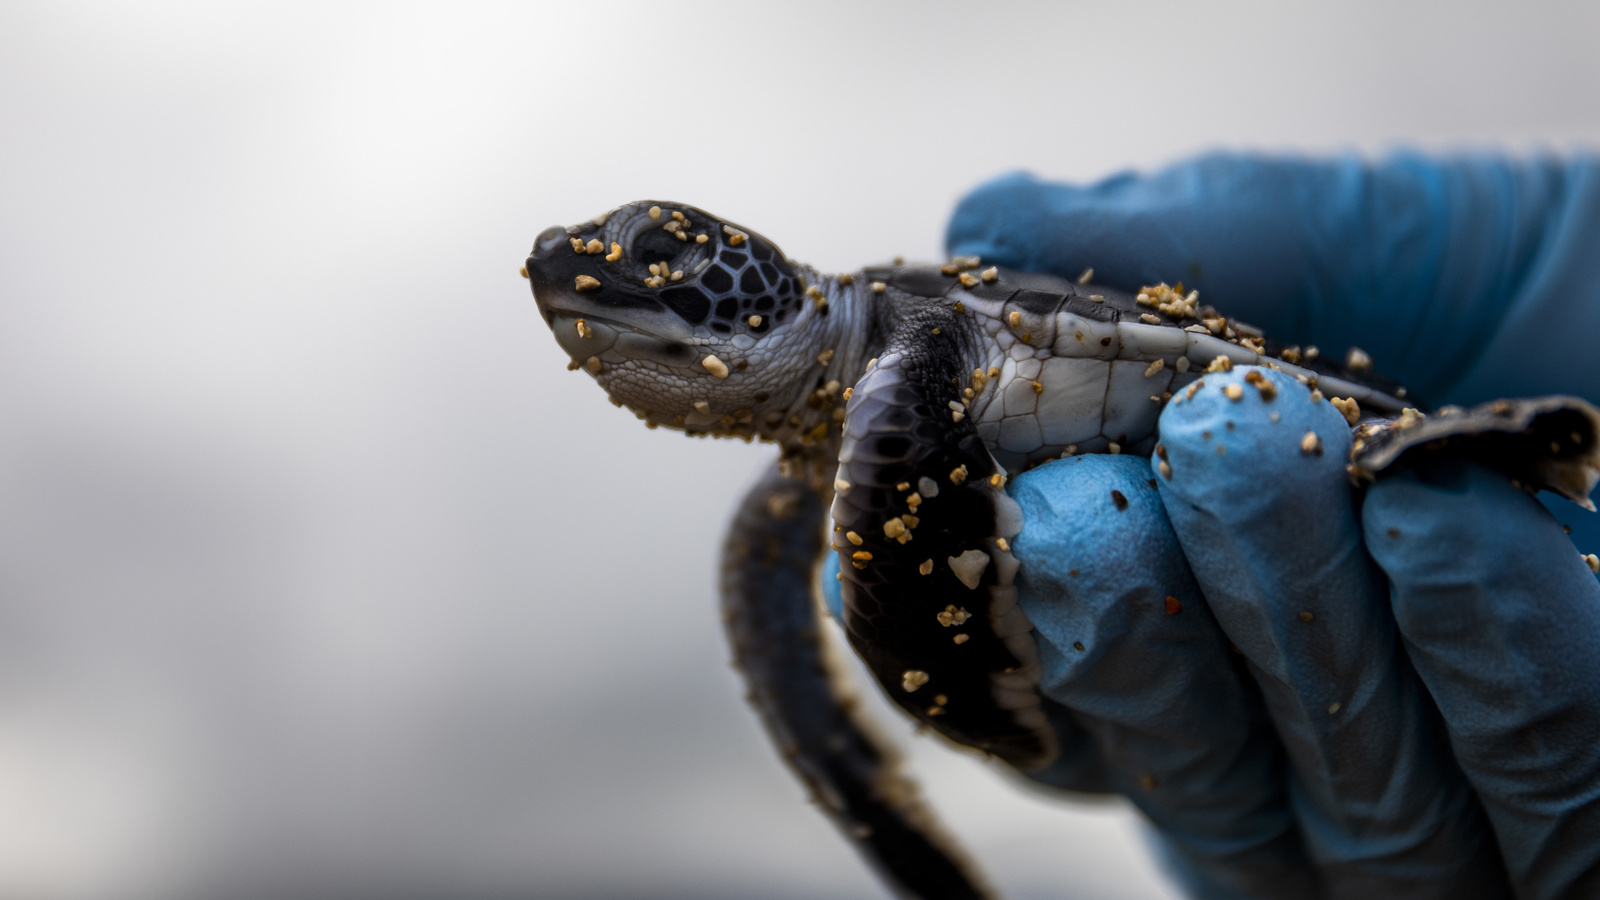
column 902, row 396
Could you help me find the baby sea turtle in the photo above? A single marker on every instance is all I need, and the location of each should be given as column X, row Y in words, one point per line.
column 902, row 396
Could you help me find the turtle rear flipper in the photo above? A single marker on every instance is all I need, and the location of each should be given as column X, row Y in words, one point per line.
column 1542, row 442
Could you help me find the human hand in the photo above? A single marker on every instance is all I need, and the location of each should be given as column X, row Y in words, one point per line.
column 1413, row 709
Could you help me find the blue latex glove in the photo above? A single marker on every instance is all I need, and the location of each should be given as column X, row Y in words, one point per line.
column 1308, row 692
column 1427, row 660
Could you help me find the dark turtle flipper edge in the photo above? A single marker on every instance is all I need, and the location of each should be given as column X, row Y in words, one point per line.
column 1542, row 442
column 768, row 598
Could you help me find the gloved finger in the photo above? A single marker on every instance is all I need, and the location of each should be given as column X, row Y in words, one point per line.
column 1266, row 516
column 1128, row 645
column 1501, row 619
column 1452, row 274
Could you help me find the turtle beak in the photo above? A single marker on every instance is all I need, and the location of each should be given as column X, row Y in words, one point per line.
column 541, row 269
column 547, row 243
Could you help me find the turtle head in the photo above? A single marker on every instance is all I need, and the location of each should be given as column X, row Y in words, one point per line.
column 681, row 316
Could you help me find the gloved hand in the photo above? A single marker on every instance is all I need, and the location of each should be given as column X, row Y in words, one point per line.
column 1307, row 691
column 1435, row 717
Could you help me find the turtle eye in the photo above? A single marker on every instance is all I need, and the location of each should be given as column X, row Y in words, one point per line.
column 655, row 245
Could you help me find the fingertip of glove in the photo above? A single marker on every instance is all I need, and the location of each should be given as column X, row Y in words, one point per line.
column 1244, row 438
column 995, row 220
column 1069, row 491
column 1090, row 501
column 1100, row 561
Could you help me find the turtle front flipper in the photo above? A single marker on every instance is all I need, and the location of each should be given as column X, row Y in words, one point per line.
column 922, row 529
column 768, row 598
column 1541, row 442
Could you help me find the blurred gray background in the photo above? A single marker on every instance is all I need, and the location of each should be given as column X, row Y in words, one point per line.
column 321, row 577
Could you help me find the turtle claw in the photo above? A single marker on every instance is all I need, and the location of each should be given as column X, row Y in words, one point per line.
column 1571, row 481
